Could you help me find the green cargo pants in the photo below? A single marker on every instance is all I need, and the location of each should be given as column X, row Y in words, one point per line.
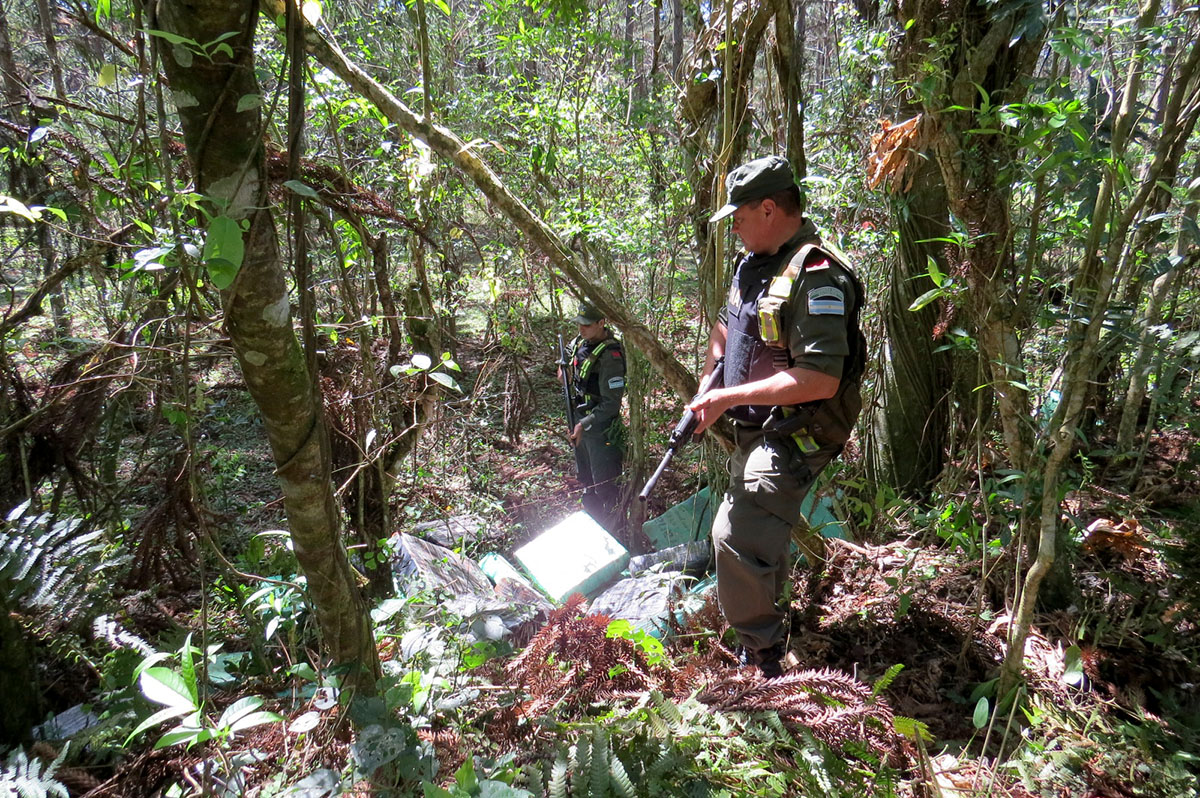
column 752, row 532
column 598, row 458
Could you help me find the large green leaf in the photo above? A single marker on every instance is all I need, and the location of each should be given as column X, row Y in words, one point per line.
column 157, row 718
column 239, row 709
column 224, row 251
column 165, row 686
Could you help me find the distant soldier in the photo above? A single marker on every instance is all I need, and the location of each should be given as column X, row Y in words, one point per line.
column 598, row 366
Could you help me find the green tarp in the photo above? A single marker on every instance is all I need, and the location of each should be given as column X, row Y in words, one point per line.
column 691, row 519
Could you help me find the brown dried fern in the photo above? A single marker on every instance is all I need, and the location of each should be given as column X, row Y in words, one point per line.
column 570, row 665
column 834, row 707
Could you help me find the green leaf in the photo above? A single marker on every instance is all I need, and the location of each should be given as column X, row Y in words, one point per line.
column 249, row 101
column 13, row 205
column 239, row 709
column 1073, row 666
column 173, row 38
column 157, row 718
column 445, row 379
column 935, row 274
column 182, row 734
column 255, row 719
column 107, row 76
column 187, row 669
column 443, row 5
column 224, row 251
column 882, row 683
column 59, row 212
column 908, row 727
column 434, row 791
column 465, row 775
column 301, row 189
column 982, row 708
column 925, row 298
column 421, row 361
column 165, row 686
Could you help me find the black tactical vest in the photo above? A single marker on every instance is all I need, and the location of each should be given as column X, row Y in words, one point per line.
column 584, row 355
column 748, row 358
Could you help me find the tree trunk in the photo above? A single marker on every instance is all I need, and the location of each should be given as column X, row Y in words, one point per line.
column 225, row 147
column 16, row 675
column 906, row 447
column 789, row 63
column 980, row 54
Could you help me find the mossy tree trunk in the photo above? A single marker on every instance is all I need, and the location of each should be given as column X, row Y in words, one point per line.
column 906, row 447
column 974, row 58
column 223, row 130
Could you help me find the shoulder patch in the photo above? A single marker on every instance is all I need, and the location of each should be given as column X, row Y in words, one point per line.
column 616, row 382
column 816, row 265
column 616, row 353
column 826, row 301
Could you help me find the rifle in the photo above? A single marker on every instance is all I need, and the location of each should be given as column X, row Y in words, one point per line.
column 683, row 431
column 568, row 393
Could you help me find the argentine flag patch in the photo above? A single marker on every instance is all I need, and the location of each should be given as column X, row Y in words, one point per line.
column 615, row 383
column 826, row 301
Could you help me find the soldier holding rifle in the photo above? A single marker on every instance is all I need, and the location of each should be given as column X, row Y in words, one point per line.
column 793, row 355
column 593, row 375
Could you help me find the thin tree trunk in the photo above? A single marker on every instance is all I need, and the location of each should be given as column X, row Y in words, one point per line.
column 676, row 38
column 225, row 147
column 1092, row 290
column 789, row 63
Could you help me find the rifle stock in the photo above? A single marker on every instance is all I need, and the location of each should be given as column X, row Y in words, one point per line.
column 683, row 431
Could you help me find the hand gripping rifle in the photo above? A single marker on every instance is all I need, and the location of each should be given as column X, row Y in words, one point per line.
column 568, row 393
column 683, row 431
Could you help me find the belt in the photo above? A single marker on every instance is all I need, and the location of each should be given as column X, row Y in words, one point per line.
column 801, row 437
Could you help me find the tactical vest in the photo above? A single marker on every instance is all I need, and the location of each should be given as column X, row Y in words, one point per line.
column 762, row 310
column 584, row 355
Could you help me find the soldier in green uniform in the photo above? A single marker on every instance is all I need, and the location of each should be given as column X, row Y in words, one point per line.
column 598, row 364
column 793, row 356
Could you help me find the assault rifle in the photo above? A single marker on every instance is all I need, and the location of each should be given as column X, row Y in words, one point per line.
column 683, row 431
column 567, row 391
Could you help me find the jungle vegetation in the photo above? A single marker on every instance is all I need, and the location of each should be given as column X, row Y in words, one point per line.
column 282, row 280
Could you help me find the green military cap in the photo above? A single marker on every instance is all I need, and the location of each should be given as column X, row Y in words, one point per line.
column 755, row 180
column 588, row 314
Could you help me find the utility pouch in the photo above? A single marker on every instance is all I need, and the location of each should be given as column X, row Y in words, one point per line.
column 771, row 309
column 773, row 305
column 794, row 423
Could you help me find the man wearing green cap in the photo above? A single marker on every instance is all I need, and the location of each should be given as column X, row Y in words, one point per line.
column 793, row 357
column 598, row 364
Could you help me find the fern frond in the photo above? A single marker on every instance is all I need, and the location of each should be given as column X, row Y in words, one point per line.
column 581, row 762
column 105, row 628
column 49, row 567
column 667, row 762
column 599, row 777
column 558, row 777
column 532, row 778
column 619, row 778
column 668, row 709
column 29, row 779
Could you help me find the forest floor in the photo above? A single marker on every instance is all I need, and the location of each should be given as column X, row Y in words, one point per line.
column 1110, row 707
